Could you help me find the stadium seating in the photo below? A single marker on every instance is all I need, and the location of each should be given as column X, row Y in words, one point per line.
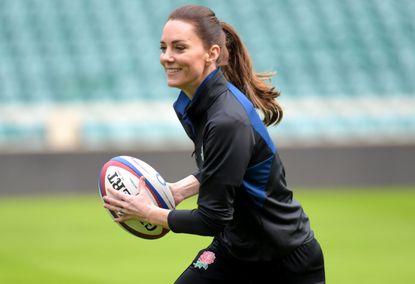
column 326, row 54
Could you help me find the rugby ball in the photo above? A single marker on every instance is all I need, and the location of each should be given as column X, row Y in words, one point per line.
column 122, row 173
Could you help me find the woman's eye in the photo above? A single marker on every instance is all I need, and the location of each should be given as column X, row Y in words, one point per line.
column 180, row 47
column 163, row 49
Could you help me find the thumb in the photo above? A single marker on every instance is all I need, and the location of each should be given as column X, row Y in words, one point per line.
column 141, row 184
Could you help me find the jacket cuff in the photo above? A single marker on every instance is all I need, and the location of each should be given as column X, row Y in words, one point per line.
column 197, row 175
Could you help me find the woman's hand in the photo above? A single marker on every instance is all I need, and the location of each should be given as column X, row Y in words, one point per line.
column 184, row 188
column 141, row 206
column 131, row 206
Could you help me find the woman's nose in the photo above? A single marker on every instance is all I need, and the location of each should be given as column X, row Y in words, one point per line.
column 166, row 57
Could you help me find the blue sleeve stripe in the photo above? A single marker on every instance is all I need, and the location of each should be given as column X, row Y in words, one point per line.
column 256, row 121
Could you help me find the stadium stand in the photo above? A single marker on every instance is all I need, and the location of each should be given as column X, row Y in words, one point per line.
column 345, row 70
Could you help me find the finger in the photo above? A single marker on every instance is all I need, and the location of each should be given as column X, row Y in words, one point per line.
column 117, row 194
column 112, row 207
column 123, row 218
column 143, row 186
column 117, row 209
column 142, row 183
column 114, row 201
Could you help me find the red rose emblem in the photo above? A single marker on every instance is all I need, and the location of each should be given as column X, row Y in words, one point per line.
column 207, row 257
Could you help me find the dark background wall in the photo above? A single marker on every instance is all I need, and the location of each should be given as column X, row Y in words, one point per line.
column 311, row 167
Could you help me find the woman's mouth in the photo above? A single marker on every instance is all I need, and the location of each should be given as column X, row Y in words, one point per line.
column 172, row 70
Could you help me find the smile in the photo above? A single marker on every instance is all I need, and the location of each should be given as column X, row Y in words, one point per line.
column 172, row 70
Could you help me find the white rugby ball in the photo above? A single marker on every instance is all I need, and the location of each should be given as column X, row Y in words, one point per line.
column 122, row 173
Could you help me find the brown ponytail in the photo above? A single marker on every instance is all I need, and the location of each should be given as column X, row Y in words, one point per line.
column 238, row 70
column 234, row 59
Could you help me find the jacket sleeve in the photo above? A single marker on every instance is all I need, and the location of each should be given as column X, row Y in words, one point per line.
column 197, row 174
column 227, row 151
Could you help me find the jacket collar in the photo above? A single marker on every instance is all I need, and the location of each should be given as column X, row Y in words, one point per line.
column 212, row 86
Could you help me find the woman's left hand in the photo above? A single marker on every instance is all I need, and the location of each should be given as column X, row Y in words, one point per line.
column 130, row 206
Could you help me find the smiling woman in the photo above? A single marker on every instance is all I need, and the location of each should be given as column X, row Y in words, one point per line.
column 260, row 231
column 196, row 42
column 184, row 57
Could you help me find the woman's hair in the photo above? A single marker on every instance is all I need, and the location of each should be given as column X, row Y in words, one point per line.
column 234, row 59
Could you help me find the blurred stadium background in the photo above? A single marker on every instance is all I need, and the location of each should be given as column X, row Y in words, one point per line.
column 85, row 74
column 80, row 82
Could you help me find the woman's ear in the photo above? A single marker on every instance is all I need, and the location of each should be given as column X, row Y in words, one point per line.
column 212, row 54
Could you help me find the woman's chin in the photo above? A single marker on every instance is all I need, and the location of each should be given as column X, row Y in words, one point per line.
column 173, row 84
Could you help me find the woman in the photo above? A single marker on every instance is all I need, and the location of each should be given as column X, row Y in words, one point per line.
column 261, row 234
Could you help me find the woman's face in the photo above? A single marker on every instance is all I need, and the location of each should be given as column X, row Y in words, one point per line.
column 184, row 58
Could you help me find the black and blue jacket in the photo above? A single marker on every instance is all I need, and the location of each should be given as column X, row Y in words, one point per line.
column 243, row 199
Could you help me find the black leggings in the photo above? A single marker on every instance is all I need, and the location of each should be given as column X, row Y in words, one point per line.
column 305, row 265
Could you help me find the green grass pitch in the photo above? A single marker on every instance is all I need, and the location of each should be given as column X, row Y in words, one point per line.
column 367, row 236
